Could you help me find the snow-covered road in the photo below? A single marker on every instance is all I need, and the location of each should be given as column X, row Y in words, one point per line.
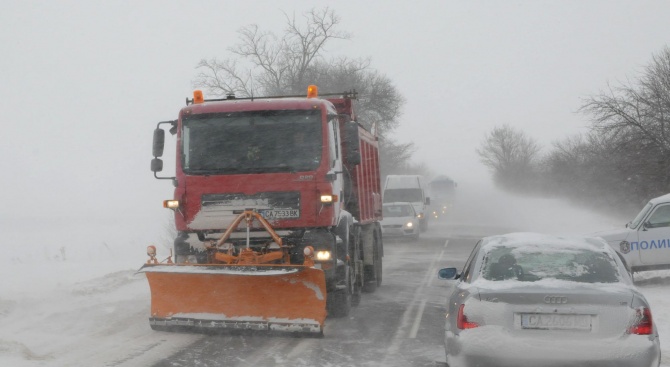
column 92, row 310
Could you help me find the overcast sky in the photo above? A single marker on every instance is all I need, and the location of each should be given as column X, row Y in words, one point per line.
column 83, row 83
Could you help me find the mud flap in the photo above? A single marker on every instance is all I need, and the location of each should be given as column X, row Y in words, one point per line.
column 256, row 297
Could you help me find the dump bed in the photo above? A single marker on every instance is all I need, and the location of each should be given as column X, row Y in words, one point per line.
column 366, row 180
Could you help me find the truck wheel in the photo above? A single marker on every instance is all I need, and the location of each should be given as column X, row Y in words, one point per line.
column 181, row 248
column 357, row 289
column 356, row 267
column 378, row 266
column 339, row 301
column 374, row 272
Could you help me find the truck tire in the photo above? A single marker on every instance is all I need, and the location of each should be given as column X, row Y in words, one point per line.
column 339, row 302
column 379, row 268
column 356, row 265
column 181, row 248
column 374, row 272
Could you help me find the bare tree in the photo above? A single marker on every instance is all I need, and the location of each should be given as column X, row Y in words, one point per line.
column 272, row 64
column 263, row 63
column 510, row 154
column 396, row 158
column 635, row 120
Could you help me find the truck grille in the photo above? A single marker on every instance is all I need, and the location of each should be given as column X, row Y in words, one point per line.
column 263, row 200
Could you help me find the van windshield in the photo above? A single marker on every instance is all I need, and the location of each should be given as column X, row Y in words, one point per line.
column 640, row 216
column 403, row 195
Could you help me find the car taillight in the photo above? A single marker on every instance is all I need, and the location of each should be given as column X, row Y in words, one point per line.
column 643, row 324
column 462, row 321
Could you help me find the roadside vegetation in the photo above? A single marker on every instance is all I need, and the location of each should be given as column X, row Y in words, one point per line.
column 619, row 164
column 263, row 63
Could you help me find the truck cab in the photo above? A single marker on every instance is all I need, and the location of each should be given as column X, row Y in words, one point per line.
column 645, row 241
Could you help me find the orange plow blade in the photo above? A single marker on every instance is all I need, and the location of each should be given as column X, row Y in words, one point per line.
column 255, row 297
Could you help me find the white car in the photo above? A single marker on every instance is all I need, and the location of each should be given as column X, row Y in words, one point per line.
column 400, row 219
column 528, row 300
column 645, row 241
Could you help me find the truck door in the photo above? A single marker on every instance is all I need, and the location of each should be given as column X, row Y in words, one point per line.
column 335, row 160
column 654, row 236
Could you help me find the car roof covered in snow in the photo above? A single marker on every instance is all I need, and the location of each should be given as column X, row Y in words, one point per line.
column 660, row 199
column 545, row 241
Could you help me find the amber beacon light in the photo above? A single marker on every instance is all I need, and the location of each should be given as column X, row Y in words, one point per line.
column 198, row 97
column 312, row 91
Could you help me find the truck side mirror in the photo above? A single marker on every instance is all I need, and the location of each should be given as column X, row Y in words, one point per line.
column 351, row 137
column 159, row 143
column 427, row 201
column 156, row 165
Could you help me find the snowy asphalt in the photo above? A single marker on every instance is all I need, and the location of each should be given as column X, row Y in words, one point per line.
column 401, row 324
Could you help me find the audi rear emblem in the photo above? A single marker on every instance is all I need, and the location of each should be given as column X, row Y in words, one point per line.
column 555, row 299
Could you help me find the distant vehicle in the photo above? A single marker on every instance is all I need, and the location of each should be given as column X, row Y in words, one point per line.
column 526, row 299
column 645, row 241
column 411, row 189
column 442, row 190
column 400, row 220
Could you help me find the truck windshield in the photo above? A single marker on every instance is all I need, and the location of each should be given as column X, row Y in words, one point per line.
column 403, row 195
column 640, row 216
column 252, row 142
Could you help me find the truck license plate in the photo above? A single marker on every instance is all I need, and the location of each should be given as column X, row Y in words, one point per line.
column 555, row 321
column 280, row 213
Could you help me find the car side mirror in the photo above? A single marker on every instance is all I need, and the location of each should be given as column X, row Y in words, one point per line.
column 448, row 273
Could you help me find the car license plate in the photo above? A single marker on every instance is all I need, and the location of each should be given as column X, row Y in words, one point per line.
column 280, row 213
column 554, row 321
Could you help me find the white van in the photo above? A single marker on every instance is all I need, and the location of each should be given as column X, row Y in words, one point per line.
column 411, row 189
column 645, row 241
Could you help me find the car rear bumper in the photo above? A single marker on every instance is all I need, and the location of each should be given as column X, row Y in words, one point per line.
column 496, row 348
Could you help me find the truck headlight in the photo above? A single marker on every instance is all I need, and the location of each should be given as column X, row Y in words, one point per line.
column 171, row 204
column 409, row 225
column 328, row 198
column 323, row 255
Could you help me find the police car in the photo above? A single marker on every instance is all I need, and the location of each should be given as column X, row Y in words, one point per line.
column 645, row 242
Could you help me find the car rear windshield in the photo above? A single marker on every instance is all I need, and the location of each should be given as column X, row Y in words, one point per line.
column 535, row 263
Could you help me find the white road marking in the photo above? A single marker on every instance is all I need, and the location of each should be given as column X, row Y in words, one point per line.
column 422, row 306
column 407, row 315
column 417, row 320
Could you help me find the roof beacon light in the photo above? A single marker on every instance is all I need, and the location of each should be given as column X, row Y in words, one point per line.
column 198, row 97
column 312, row 91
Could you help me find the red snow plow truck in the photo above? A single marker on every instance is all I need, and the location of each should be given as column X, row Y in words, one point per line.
column 277, row 204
